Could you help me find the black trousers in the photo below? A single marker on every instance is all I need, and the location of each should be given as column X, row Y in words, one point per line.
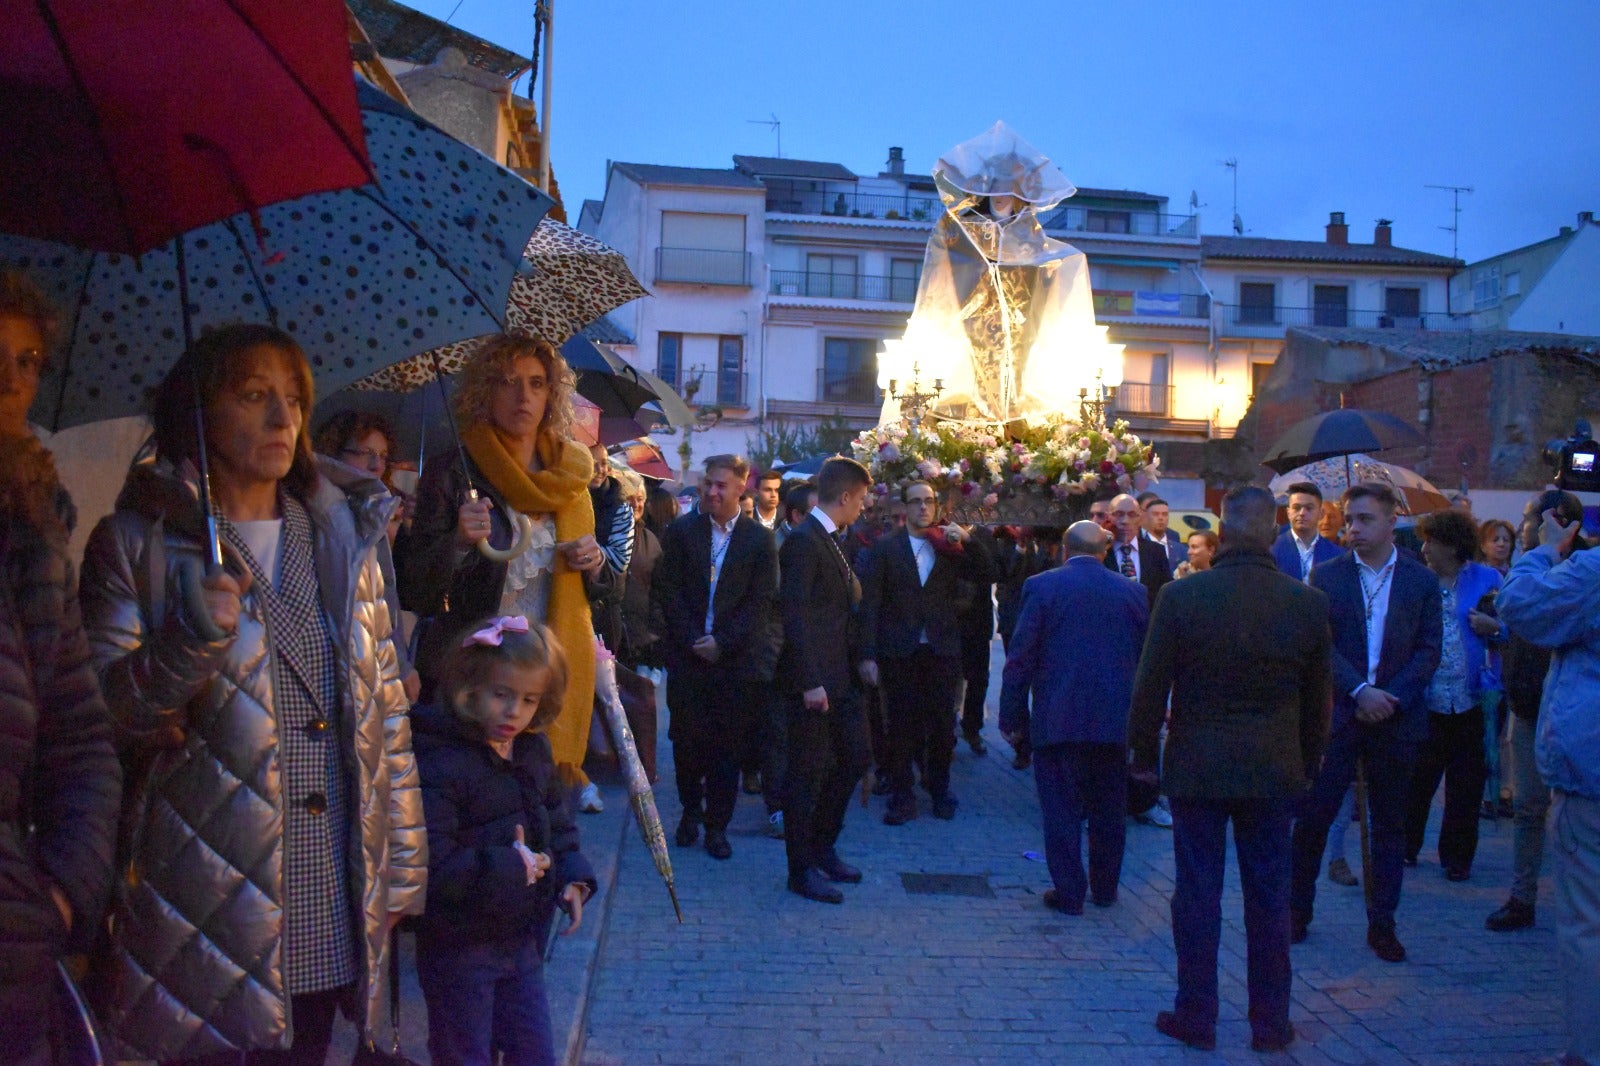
column 1454, row 752
column 707, row 710
column 313, row 1032
column 776, row 756
column 975, row 647
column 1388, row 762
column 828, row 753
column 920, row 693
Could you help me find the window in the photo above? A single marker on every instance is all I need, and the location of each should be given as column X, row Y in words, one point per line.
column 831, row 275
column 1330, row 305
column 669, row 354
column 1107, row 222
column 1513, row 286
column 1258, row 302
column 904, row 276
column 1258, row 377
column 1144, row 383
column 850, row 370
column 730, row 371
column 702, row 248
column 1486, row 285
column 1402, row 303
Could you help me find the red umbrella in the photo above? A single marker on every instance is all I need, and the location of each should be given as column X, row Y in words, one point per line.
column 643, row 456
column 128, row 122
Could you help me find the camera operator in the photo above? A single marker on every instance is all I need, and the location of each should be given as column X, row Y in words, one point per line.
column 1553, row 601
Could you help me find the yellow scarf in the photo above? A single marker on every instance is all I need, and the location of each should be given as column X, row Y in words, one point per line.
column 560, row 489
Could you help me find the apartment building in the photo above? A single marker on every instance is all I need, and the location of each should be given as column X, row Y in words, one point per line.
column 1547, row 286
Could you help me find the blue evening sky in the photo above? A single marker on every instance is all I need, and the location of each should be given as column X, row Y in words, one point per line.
column 1352, row 106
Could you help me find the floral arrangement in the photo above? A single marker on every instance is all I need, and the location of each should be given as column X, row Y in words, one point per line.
column 985, row 466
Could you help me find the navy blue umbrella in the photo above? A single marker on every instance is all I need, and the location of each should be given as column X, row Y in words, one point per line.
column 1342, row 432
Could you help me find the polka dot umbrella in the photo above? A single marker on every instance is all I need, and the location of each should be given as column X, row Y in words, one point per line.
column 363, row 277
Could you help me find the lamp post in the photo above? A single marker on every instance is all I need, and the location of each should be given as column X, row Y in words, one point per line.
column 914, row 402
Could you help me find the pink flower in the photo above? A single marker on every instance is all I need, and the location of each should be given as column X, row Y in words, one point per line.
column 888, row 451
column 990, row 500
column 1019, row 448
column 928, row 468
column 965, row 466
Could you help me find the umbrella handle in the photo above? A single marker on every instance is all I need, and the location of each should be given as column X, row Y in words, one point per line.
column 524, row 526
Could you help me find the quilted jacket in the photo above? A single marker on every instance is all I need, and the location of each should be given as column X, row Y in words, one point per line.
column 197, row 933
column 56, row 752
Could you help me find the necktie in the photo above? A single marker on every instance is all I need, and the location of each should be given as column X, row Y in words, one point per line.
column 1127, row 562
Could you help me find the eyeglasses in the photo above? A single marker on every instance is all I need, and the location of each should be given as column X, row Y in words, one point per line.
column 366, row 455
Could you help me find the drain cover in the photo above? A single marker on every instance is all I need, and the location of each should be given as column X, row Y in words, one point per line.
column 947, row 885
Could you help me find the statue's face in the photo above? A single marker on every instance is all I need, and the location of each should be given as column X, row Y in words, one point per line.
column 1002, row 207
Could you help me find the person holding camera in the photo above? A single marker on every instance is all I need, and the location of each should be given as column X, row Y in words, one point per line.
column 1552, row 599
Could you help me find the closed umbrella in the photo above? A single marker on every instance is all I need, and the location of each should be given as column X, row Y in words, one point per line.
column 1342, row 432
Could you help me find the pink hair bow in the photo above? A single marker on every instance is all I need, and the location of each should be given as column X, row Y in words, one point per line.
column 490, row 635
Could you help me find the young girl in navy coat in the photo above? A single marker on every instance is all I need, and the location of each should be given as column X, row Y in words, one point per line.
column 502, row 846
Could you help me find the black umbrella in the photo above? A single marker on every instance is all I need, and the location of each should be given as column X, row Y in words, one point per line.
column 1341, row 432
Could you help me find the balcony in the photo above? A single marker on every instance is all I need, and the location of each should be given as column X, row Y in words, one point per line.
column 1144, row 398
column 732, row 389
column 1259, row 320
column 844, row 286
column 859, row 387
column 702, row 266
column 1113, row 222
column 1115, row 304
column 906, row 207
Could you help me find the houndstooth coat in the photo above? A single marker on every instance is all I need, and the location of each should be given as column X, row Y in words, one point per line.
column 198, row 928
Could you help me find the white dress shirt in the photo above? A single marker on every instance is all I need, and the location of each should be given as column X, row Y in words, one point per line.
column 720, row 536
column 1375, row 588
column 1308, row 552
column 827, row 523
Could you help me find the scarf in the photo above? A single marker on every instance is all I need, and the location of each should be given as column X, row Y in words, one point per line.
column 561, row 489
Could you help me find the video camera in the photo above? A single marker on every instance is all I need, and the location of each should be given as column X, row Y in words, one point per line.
column 1576, row 460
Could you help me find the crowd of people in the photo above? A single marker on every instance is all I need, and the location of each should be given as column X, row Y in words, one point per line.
column 225, row 786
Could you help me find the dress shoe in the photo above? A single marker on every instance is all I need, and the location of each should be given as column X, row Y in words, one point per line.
column 750, row 781
column 900, row 812
column 1299, row 927
column 1105, row 901
column 945, row 806
column 688, row 831
column 880, row 784
column 1457, row 872
column 837, row 870
column 775, row 825
column 1514, row 915
column 812, row 885
column 1171, row 1025
column 1021, row 760
column 717, row 845
column 1268, row 1043
column 1052, row 899
column 1339, row 873
column 975, row 742
column 1385, row 944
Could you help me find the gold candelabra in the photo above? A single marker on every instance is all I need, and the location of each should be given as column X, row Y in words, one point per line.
column 1093, row 412
column 914, row 402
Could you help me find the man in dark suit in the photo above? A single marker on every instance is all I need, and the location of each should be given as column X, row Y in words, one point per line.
column 1140, row 559
column 1384, row 607
column 713, row 589
column 1074, row 650
column 1300, row 547
column 827, row 730
column 1243, row 653
column 1155, row 513
column 911, row 643
column 1132, row 555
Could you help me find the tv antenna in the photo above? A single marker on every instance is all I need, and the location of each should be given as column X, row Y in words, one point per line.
column 775, row 126
column 1455, row 192
column 1238, row 223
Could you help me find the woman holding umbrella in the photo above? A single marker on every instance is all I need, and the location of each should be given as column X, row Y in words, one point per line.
column 59, row 777
column 275, row 829
column 522, row 482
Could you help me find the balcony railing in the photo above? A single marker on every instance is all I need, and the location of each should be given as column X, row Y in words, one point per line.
column 1144, row 398
column 702, row 266
column 913, row 208
column 1260, row 319
column 1111, row 303
column 900, row 290
column 1116, row 221
column 860, row 387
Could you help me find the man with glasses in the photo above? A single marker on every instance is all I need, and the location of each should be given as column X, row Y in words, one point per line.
column 911, row 644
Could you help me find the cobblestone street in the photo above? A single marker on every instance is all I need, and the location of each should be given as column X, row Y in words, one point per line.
column 757, row 975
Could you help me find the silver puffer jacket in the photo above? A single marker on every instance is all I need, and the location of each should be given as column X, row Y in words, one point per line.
column 199, row 923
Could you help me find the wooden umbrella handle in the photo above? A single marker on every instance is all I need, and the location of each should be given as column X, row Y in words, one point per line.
column 524, row 527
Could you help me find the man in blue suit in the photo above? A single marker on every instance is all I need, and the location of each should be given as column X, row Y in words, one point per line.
column 1384, row 608
column 1075, row 649
column 1300, row 547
